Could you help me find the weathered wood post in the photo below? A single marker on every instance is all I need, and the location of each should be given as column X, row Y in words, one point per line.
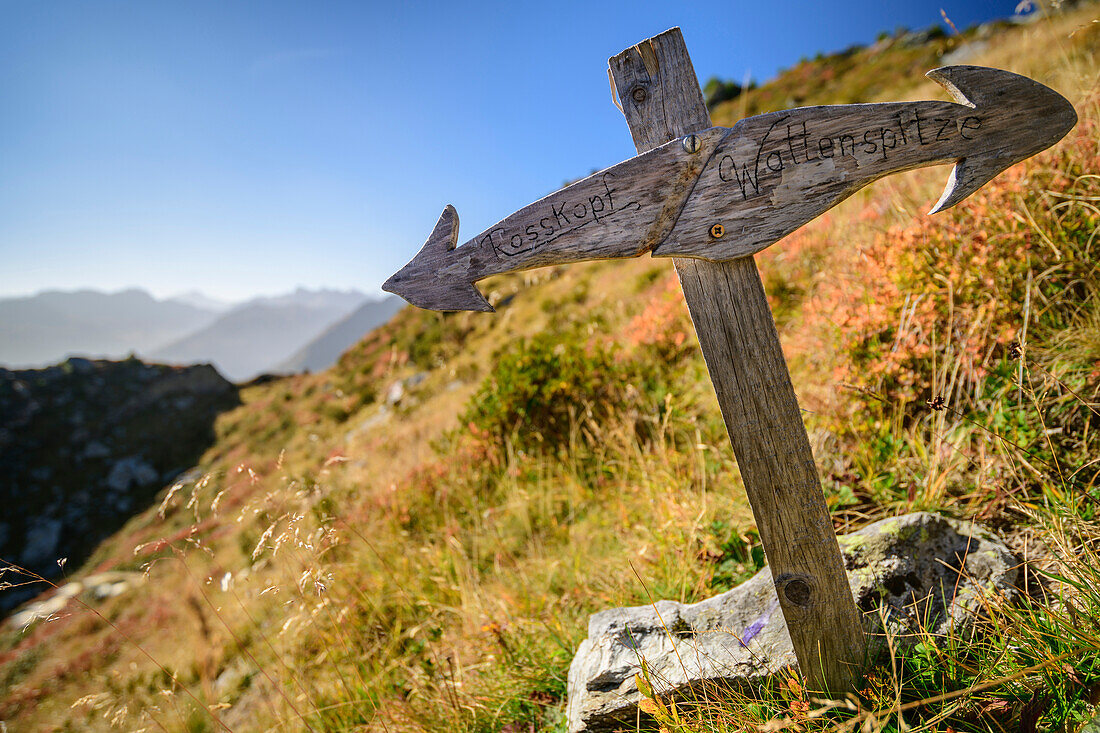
column 711, row 197
column 660, row 96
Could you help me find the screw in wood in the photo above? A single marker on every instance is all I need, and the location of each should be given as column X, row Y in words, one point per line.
column 691, row 143
column 717, row 231
column 638, row 94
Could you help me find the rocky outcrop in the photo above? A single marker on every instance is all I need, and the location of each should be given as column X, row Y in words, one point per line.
column 922, row 571
column 85, row 444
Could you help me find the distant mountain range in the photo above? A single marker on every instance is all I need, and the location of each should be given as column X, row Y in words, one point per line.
column 45, row 328
column 323, row 351
column 202, row 301
column 256, row 336
column 283, row 333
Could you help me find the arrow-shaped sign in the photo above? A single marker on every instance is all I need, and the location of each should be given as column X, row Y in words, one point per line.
column 725, row 193
column 710, row 197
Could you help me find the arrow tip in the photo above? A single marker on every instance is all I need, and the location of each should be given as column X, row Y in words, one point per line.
column 431, row 281
column 1044, row 113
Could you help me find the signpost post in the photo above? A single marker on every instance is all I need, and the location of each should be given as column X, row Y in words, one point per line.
column 711, row 197
column 741, row 348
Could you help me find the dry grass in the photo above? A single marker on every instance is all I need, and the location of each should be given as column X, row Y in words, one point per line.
column 347, row 563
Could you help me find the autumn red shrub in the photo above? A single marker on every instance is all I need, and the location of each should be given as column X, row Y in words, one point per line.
column 950, row 292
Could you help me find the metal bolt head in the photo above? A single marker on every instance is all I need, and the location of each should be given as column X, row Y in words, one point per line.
column 717, row 231
column 691, row 143
column 638, row 94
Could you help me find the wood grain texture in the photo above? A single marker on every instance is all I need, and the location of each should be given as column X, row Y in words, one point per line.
column 774, row 172
column 623, row 211
column 760, row 180
column 743, row 355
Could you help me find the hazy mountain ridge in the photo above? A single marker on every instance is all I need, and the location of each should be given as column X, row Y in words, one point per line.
column 45, row 328
column 323, row 351
column 241, row 340
column 198, row 299
column 258, row 335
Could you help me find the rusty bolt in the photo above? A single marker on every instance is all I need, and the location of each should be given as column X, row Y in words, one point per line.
column 638, row 94
column 691, row 144
column 717, row 231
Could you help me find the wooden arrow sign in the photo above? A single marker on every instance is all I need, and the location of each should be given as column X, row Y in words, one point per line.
column 724, row 193
column 710, row 197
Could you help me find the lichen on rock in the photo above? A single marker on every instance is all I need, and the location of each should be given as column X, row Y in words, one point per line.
column 919, row 574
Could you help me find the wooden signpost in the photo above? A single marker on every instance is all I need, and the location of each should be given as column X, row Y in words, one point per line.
column 711, row 197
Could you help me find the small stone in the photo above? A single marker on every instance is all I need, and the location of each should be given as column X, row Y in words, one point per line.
column 44, row 609
column 81, row 365
column 131, row 471
column 233, row 678
column 395, row 393
column 96, row 449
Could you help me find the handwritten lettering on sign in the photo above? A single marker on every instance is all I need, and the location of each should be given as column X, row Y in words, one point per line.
column 800, row 145
column 723, row 193
column 562, row 217
column 775, row 172
column 783, row 144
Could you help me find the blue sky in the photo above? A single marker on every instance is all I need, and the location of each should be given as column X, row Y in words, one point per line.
column 244, row 148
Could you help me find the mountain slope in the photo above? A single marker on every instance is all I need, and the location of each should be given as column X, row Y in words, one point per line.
column 323, row 351
column 415, row 539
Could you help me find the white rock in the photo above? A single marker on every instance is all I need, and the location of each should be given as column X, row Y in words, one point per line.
column 941, row 565
column 395, row 393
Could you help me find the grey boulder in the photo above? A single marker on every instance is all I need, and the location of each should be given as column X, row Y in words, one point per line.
column 918, row 572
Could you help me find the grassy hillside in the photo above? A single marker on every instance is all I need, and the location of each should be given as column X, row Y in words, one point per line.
column 362, row 555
